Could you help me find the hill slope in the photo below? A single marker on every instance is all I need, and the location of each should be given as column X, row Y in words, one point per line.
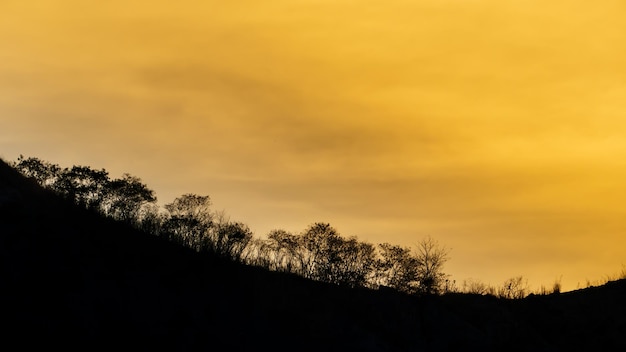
column 70, row 278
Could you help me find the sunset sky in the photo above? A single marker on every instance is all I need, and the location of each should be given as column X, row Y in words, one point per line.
column 498, row 127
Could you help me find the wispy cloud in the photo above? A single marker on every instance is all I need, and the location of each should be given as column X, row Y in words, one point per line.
column 497, row 126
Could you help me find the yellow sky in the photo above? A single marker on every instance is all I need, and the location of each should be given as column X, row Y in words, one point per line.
column 497, row 127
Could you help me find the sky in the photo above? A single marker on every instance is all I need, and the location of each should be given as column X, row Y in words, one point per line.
column 497, row 127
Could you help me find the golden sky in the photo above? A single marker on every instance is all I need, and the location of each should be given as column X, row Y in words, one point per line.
column 497, row 127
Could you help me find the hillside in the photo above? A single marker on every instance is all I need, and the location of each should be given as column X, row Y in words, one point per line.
column 71, row 278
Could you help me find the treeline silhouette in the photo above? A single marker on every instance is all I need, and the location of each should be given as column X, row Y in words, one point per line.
column 74, row 279
column 319, row 252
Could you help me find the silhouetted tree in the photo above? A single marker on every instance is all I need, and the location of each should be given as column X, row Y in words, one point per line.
column 190, row 220
column 430, row 258
column 83, row 185
column 513, row 288
column 151, row 219
column 257, row 253
column 282, row 249
column 353, row 264
column 396, row 268
column 191, row 206
column 229, row 239
column 125, row 197
column 475, row 286
column 43, row 172
column 319, row 252
column 322, row 254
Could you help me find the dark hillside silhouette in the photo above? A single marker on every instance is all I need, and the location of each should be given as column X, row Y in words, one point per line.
column 319, row 253
column 72, row 278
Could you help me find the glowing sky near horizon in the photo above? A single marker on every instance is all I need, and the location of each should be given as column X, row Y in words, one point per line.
column 496, row 127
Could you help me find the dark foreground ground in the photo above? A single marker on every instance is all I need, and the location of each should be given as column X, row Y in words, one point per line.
column 71, row 279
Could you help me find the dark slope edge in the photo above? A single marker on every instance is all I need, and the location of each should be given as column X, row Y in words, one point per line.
column 70, row 278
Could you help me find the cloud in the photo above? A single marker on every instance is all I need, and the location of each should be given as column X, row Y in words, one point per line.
column 496, row 125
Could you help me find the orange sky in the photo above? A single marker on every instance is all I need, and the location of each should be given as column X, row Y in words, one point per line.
column 497, row 127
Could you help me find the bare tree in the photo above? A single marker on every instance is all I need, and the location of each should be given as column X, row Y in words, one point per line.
column 283, row 248
column 431, row 257
column 418, row 271
column 229, row 239
column 257, row 253
column 513, row 288
column 474, row 286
